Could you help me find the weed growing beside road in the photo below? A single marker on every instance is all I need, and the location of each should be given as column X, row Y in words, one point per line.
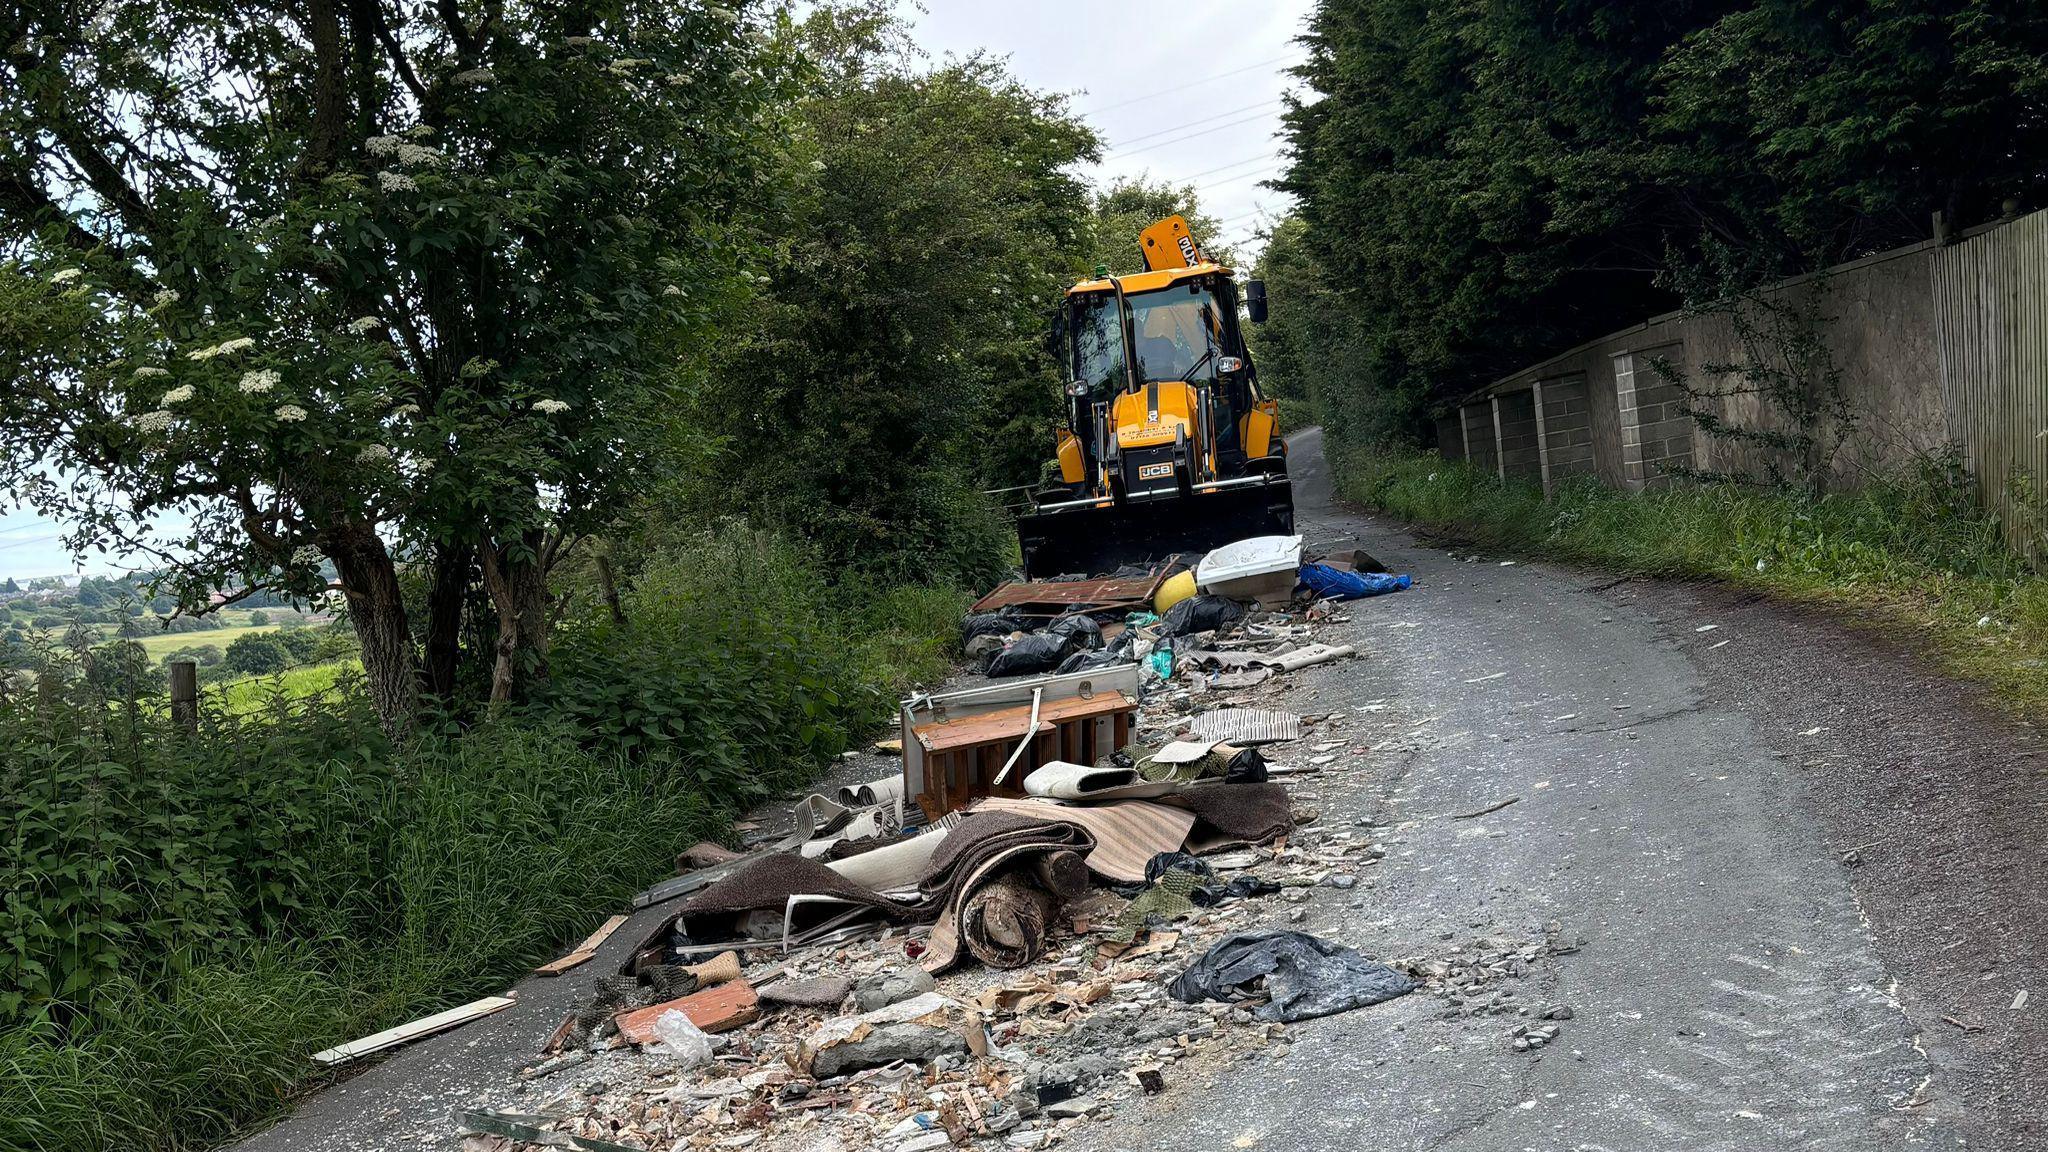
column 184, row 918
column 1914, row 551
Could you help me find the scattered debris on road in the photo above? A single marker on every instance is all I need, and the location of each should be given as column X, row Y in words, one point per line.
column 1053, row 906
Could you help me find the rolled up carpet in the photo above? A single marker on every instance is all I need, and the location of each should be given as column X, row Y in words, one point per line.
column 1061, row 780
column 1004, row 921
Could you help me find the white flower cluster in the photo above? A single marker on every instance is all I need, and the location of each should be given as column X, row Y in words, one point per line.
column 406, row 410
column 290, row 413
column 550, row 406
column 306, row 554
column 363, row 324
column 149, row 370
column 382, row 145
column 678, row 79
column 157, row 421
column 166, row 296
column 624, row 65
column 671, row 290
column 396, row 182
column 576, row 41
column 223, row 348
column 425, row 464
column 474, row 76
column 178, row 395
column 373, row 454
column 66, row 275
column 409, row 153
column 257, row 383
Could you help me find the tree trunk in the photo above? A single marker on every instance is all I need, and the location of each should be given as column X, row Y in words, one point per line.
column 518, row 587
column 610, row 585
column 452, row 564
column 369, row 583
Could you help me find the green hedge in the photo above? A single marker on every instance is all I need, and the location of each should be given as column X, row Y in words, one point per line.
column 183, row 919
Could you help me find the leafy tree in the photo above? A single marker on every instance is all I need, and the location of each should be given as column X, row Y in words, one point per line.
column 299, row 643
column 256, row 654
column 329, row 275
column 1484, row 184
column 1129, row 206
column 259, row 619
column 10, row 587
column 120, row 670
column 205, row 655
column 928, row 220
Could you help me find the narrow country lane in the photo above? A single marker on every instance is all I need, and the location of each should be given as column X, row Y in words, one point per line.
column 1729, row 993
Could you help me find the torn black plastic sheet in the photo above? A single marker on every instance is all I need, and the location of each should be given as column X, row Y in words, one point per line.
column 1304, row 976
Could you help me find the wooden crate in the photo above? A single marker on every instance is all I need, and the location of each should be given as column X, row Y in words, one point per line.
column 955, row 745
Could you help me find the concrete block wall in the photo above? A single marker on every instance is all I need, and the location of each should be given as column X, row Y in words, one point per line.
column 1519, row 452
column 1450, row 439
column 1478, row 420
column 1656, row 422
column 1567, row 427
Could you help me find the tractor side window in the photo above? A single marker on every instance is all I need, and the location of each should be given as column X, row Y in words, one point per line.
column 1098, row 345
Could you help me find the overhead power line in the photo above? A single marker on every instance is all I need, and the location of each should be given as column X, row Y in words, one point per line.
column 1190, row 136
column 1123, row 144
column 1209, row 79
column 1189, row 179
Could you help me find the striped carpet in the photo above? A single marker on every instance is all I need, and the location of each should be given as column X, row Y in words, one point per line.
column 1128, row 833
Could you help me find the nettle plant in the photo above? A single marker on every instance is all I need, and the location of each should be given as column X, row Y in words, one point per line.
column 356, row 284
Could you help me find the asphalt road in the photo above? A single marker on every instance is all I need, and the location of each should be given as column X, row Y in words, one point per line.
column 1683, row 806
column 1731, row 992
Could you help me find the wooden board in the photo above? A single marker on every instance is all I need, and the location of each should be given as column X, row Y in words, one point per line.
column 1008, row 723
column 1051, row 598
column 584, row 952
column 404, row 1033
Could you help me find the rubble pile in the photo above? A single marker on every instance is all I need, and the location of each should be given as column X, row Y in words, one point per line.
column 1064, row 902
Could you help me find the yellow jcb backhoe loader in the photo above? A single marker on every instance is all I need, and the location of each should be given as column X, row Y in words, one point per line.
column 1168, row 446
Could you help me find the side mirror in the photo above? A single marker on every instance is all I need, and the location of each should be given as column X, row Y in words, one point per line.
column 1077, row 387
column 1255, row 300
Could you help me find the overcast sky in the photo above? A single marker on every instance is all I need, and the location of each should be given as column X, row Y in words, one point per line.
column 1187, row 91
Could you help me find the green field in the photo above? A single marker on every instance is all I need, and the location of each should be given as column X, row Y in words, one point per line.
column 255, row 694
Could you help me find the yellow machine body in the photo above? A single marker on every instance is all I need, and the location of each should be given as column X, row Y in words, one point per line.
column 1168, row 444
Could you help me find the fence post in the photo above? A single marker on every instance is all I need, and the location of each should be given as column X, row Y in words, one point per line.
column 185, row 694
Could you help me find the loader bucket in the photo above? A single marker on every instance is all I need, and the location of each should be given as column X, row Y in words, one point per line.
column 1095, row 540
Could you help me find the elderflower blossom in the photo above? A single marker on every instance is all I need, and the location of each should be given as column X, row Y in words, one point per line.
column 420, row 131
column 178, row 395
column 290, row 413
column 406, row 410
column 66, row 275
column 166, row 296
column 306, row 554
column 373, row 454
column 474, row 76
column 149, row 370
column 396, row 182
column 222, row 349
column 257, row 383
column 550, row 406
column 410, row 153
column 157, row 421
column 364, row 324
column 425, row 465
column 576, row 41
column 624, row 65
column 671, row 290
column 382, row 145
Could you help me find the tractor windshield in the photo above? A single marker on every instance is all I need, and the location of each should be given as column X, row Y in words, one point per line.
column 1179, row 332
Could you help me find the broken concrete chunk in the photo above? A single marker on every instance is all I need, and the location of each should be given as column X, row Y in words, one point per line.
column 817, row 992
column 886, row 1044
column 892, row 987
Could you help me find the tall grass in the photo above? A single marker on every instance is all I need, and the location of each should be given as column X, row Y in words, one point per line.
column 184, row 918
column 1915, row 549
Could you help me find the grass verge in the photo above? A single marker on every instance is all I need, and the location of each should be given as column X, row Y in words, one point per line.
column 1910, row 554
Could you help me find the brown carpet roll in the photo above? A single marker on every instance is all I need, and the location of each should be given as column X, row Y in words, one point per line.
column 1005, row 920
